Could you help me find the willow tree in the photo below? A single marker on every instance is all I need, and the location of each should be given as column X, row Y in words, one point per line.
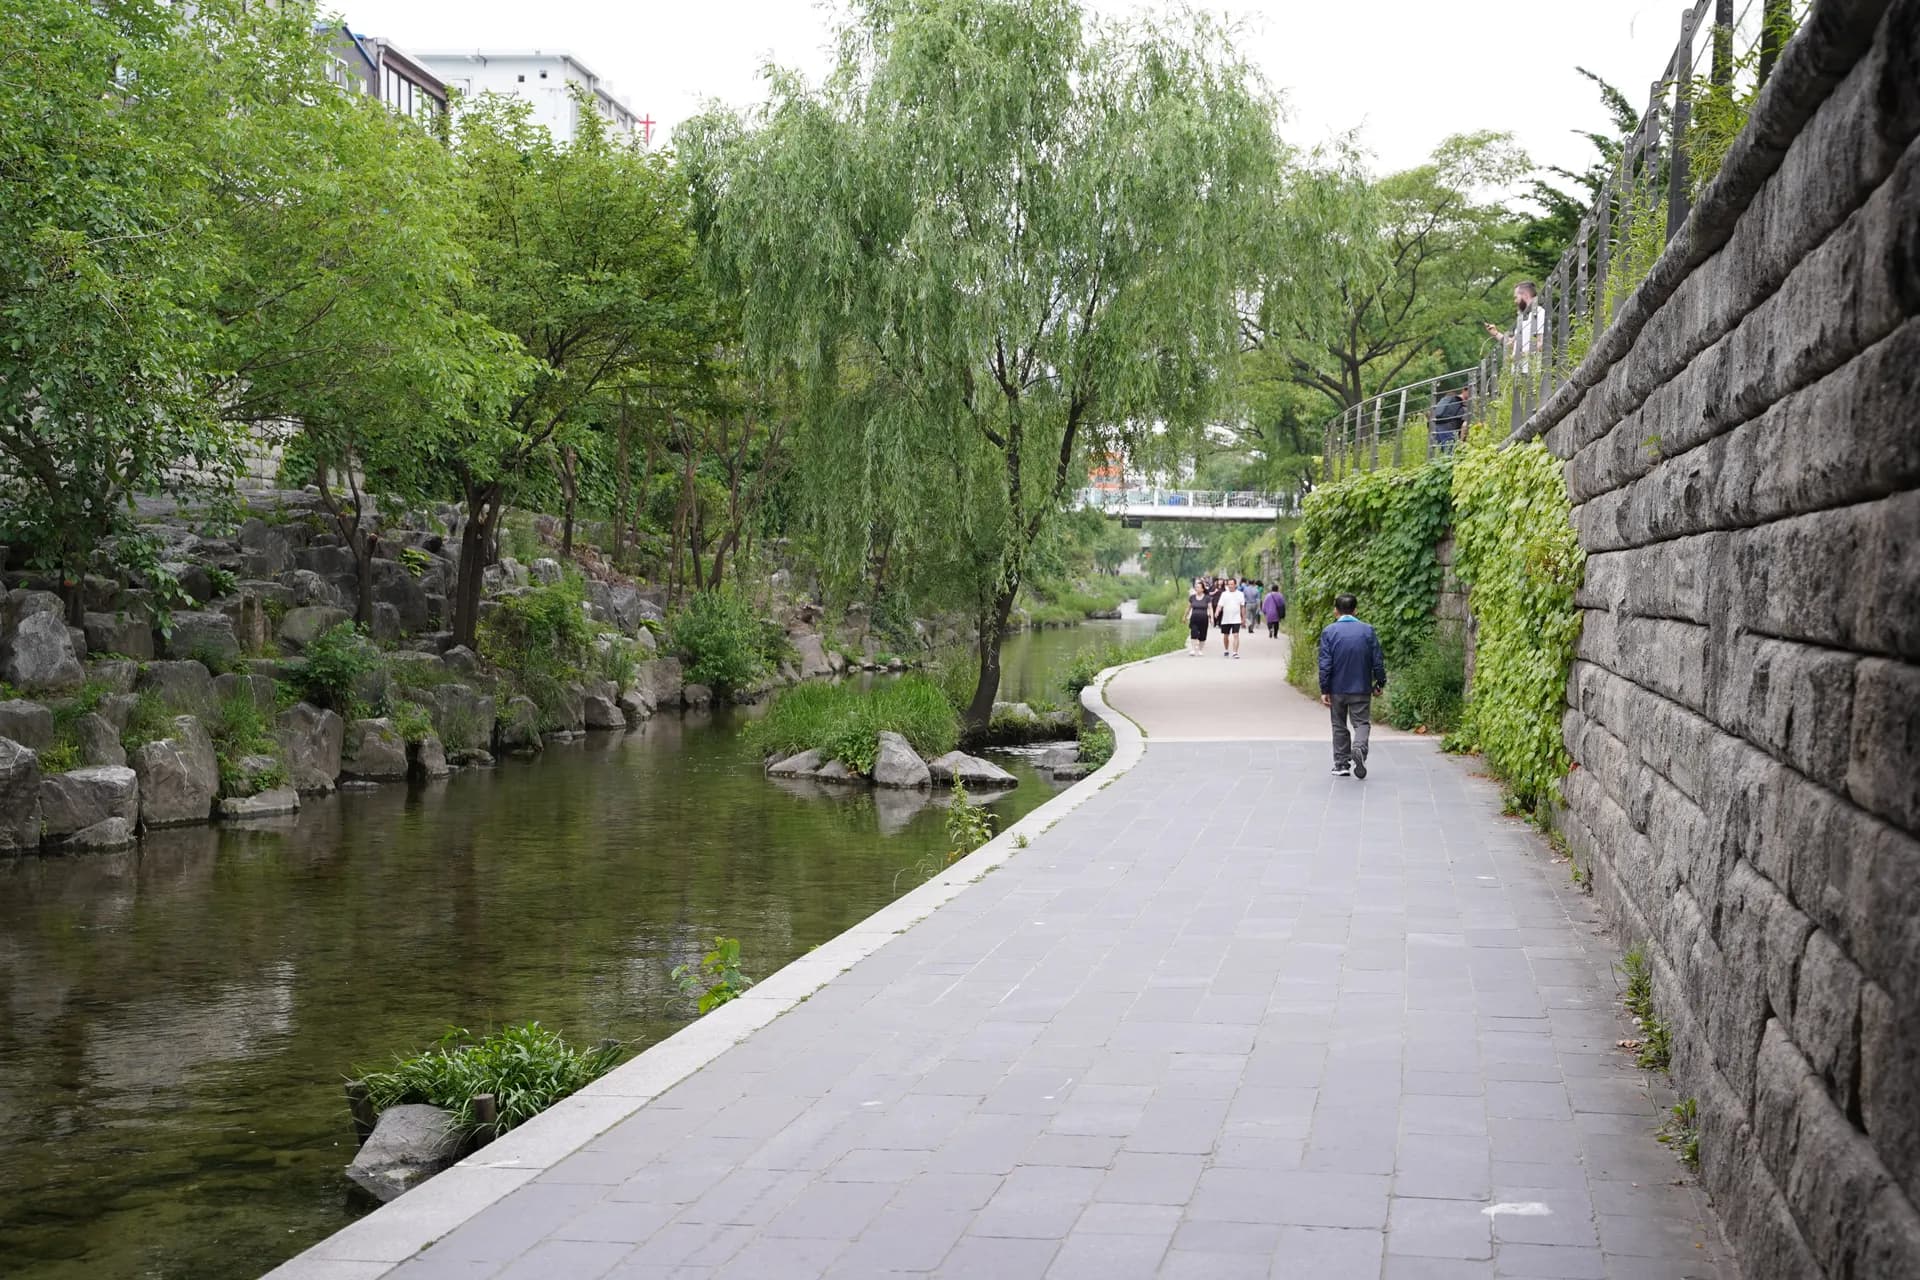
column 1000, row 234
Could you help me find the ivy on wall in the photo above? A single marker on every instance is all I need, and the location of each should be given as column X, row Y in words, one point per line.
column 1515, row 549
column 1373, row 534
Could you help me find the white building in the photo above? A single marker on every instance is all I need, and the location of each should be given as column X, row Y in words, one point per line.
column 539, row 76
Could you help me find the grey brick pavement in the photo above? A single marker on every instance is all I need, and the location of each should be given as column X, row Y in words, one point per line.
column 1232, row 1017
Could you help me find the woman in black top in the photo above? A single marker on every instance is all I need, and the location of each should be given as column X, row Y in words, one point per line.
column 1199, row 612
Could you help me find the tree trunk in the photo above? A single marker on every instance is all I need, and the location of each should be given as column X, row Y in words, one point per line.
column 622, row 481
column 570, row 495
column 476, row 535
column 363, row 544
column 993, row 627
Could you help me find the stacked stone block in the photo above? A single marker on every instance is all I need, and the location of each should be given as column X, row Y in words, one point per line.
column 1745, row 709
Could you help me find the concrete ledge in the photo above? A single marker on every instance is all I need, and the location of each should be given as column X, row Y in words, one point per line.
column 395, row 1232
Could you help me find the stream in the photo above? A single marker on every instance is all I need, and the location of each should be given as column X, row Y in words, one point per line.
column 175, row 1021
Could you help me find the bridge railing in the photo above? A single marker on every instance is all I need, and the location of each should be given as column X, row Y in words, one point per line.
column 1726, row 50
column 1202, row 502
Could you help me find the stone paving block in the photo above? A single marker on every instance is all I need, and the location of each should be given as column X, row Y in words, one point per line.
column 904, row 1240
column 1439, row 1228
column 1549, row 1262
column 1141, row 1178
column 1091, row 1256
column 576, row 1259
column 990, row 1258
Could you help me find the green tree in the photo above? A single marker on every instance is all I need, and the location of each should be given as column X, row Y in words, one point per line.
column 580, row 253
column 1000, row 235
column 104, row 277
column 1373, row 282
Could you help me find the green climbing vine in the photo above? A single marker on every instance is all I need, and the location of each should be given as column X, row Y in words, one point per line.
column 1515, row 549
column 1373, row 534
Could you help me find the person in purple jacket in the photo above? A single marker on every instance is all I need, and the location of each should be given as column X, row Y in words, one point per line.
column 1352, row 670
column 1273, row 607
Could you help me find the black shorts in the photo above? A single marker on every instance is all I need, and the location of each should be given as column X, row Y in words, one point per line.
column 1197, row 630
column 1229, row 628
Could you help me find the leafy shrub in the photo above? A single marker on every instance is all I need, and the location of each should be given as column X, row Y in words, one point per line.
column 845, row 721
column 722, row 641
column 150, row 720
column 1096, row 745
column 337, row 658
column 60, row 757
column 1169, row 596
column 410, row 720
column 224, row 581
column 526, row 1068
column 616, row 659
column 1428, row 692
column 415, row 561
column 1516, row 551
column 718, row 978
column 239, row 729
column 541, row 637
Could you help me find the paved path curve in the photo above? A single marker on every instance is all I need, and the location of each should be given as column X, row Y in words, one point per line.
column 1230, row 1017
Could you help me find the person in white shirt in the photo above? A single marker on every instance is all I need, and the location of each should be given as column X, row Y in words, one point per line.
column 1529, row 327
column 1232, row 613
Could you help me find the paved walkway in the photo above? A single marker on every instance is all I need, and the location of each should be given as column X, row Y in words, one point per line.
column 1231, row 1017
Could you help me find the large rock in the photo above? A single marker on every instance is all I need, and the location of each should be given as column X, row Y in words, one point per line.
column 123, row 633
column 970, row 771
column 661, row 680
column 99, row 740
column 519, row 728
column 179, row 776
column 23, row 604
column 895, row 764
column 80, row 798
column 410, row 1144
column 115, row 675
column 252, row 774
column 302, row 626
column 205, row 637
column 267, row 804
column 635, row 705
column 697, row 696
column 602, row 706
column 41, row 656
column 546, row 571
column 1058, row 756
column 312, row 591
column 102, row 837
column 19, row 797
column 311, row 740
column 813, row 656
column 462, row 716
column 428, row 758
column 374, row 751
column 186, row 687
column 27, row 723
column 258, row 689
column 804, row 765
column 836, row 771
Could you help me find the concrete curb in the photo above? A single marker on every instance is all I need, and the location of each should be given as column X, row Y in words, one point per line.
column 395, row 1232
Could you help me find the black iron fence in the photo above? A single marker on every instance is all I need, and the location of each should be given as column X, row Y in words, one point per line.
column 1724, row 54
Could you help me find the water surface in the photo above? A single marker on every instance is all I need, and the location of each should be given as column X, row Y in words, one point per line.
column 175, row 1021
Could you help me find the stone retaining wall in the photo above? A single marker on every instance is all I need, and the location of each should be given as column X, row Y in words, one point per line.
column 1743, row 452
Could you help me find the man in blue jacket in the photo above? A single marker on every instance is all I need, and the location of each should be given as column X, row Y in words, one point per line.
column 1352, row 671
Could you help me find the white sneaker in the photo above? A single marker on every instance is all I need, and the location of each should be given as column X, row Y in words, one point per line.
column 1236, row 655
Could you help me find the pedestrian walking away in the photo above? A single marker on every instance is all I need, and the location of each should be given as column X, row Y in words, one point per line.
column 1352, row 670
column 1274, row 609
column 1199, row 609
column 1232, row 612
column 1250, row 596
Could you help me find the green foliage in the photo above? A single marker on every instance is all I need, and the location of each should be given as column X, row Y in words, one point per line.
column 224, row 581
column 60, row 757
column 1169, row 595
column 542, row 639
column 718, row 979
column 1427, row 693
column 1681, row 1131
column 337, row 658
column 1655, row 1050
column 150, row 720
column 1373, row 534
column 1096, row 745
column 413, row 722
column 616, row 659
column 845, row 721
column 526, row 1068
column 968, row 825
column 1091, row 661
column 239, row 728
column 415, row 561
column 1516, row 551
column 722, row 641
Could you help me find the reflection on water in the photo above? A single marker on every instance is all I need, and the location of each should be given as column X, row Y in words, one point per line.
column 175, row 1022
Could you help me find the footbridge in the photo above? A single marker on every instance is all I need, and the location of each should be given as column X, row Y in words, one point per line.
column 1137, row 505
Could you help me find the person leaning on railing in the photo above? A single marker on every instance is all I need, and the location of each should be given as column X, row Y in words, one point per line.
column 1529, row 326
column 1450, row 418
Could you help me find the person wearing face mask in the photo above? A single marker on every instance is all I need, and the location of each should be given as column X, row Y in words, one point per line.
column 1529, row 328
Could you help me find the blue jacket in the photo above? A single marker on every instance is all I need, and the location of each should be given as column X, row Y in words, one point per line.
column 1350, row 658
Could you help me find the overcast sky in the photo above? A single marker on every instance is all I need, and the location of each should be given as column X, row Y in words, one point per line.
column 1406, row 73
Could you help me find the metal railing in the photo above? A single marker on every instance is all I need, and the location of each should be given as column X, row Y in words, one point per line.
column 1203, row 503
column 1641, row 204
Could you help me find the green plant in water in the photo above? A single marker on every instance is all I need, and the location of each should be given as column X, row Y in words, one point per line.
column 722, row 641
column 526, row 1068
column 717, row 979
column 968, row 825
column 845, row 721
